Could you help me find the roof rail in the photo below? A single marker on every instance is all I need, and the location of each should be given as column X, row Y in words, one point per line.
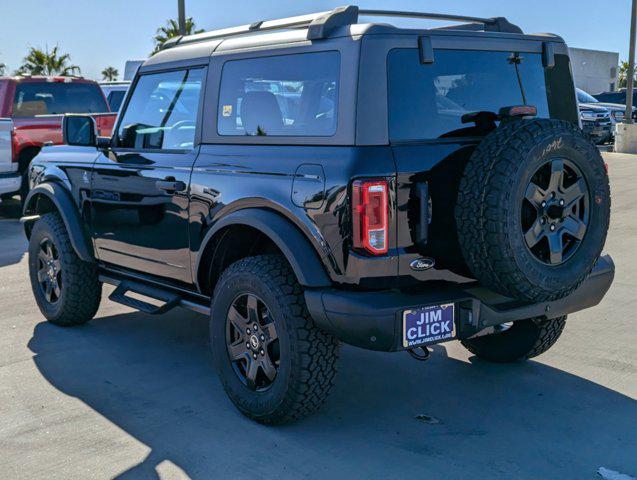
column 496, row 24
column 320, row 25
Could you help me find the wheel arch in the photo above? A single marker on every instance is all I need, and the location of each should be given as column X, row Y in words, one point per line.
column 53, row 197
column 277, row 233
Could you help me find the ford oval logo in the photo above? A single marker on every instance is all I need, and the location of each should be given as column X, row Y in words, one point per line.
column 421, row 264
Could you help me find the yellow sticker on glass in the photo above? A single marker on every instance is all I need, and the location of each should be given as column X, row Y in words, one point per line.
column 227, row 110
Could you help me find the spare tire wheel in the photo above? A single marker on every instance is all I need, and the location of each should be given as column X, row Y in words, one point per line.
column 533, row 209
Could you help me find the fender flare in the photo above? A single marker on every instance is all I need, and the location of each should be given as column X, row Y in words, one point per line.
column 297, row 249
column 67, row 209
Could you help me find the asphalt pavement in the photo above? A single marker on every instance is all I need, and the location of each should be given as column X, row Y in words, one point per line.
column 131, row 396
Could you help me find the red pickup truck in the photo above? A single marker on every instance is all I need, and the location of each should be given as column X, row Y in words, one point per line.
column 31, row 109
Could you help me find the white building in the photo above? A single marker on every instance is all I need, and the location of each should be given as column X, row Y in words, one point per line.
column 595, row 71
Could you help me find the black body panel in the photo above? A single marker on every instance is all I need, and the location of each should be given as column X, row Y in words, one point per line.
column 139, row 211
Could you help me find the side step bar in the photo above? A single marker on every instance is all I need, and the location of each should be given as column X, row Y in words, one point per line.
column 167, row 299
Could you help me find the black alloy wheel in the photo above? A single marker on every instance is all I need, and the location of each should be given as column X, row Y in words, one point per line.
column 555, row 212
column 49, row 271
column 252, row 342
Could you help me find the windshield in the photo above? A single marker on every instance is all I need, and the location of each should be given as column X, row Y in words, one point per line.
column 583, row 97
column 49, row 98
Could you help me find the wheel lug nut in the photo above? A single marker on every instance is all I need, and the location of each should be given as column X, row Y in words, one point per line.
column 552, row 228
column 254, row 356
column 561, row 203
column 261, row 352
column 256, row 327
column 543, row 204
column 262, row 338
column 247, row 344
column 248, row 331
column 543, row 220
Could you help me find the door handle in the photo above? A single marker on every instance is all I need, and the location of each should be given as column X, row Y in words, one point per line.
column 171, row 185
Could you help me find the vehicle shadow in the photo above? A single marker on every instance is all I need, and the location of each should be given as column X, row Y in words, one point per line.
column 10, row 208
column 14, row 242
column 153, row 378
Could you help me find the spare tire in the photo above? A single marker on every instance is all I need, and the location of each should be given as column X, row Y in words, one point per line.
column 533, row 209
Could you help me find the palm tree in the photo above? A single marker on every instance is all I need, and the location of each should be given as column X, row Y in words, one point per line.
column 171, row 29
column 43, row 62
column 110, row 74
column 623, row 75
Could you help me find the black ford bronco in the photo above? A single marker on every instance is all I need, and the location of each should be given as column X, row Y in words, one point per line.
column 314, row 179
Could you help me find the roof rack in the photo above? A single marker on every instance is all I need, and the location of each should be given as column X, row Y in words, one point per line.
column 320, row 25
column 495, row 24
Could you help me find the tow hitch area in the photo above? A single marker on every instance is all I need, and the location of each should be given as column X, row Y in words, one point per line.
column 417, row 355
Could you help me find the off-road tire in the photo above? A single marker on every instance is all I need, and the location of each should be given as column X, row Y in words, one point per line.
column 489, row 203
column 523, row 340
column 81, row 290
column 308, row 355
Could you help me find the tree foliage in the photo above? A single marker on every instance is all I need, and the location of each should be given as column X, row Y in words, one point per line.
column 110, row 74
column 622, row 77
column 171, row 29
column 43, row 62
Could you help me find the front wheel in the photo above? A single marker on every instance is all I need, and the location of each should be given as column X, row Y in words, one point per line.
column 523, row 340
column 66, row 289
column 274, row 363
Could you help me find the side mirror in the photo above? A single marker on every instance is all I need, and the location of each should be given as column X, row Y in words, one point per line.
column 79, row 130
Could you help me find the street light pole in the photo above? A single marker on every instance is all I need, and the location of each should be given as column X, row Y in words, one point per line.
column 630, row 75
column 181, row 7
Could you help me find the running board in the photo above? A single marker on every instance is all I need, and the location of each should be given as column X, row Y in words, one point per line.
column 166, row 298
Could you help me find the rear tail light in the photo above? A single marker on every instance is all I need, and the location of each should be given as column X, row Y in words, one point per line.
column 370, row 216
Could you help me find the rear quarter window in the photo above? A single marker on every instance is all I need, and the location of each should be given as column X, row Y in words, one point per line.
column 285, row 95
column 428, row 101
column 52, row 98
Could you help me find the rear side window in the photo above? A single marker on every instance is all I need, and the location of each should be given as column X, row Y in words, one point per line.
column 51, row 98
column 288, row 95
column 428, row 101
column 115, row 99
column 162, row 111
column 612, row 97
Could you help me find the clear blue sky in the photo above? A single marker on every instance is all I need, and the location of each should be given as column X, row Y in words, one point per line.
column 108, row 32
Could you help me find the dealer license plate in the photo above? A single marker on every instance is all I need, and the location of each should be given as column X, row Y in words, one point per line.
column 427, row 325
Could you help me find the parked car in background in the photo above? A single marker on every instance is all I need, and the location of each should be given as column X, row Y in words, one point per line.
column 618, row 97
column 9, row 176
column 115, row 93
column 596, row 120
column 35, row 105
column 617, row 110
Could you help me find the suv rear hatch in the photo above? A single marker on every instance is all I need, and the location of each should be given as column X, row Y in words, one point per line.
column 431, row 144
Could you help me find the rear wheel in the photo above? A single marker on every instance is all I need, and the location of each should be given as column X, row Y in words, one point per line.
column 66, row 289
column 520, row 341
column 274, row 363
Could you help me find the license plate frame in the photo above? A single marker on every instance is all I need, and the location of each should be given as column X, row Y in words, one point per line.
column 428, row 325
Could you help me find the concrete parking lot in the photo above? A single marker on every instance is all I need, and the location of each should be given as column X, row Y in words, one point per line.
column 132, row 396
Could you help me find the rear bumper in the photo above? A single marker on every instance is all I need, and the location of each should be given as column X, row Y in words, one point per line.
column 10, row 182
column 373, row 320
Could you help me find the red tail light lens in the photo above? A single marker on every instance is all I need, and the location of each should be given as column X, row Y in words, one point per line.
column 370, row 215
